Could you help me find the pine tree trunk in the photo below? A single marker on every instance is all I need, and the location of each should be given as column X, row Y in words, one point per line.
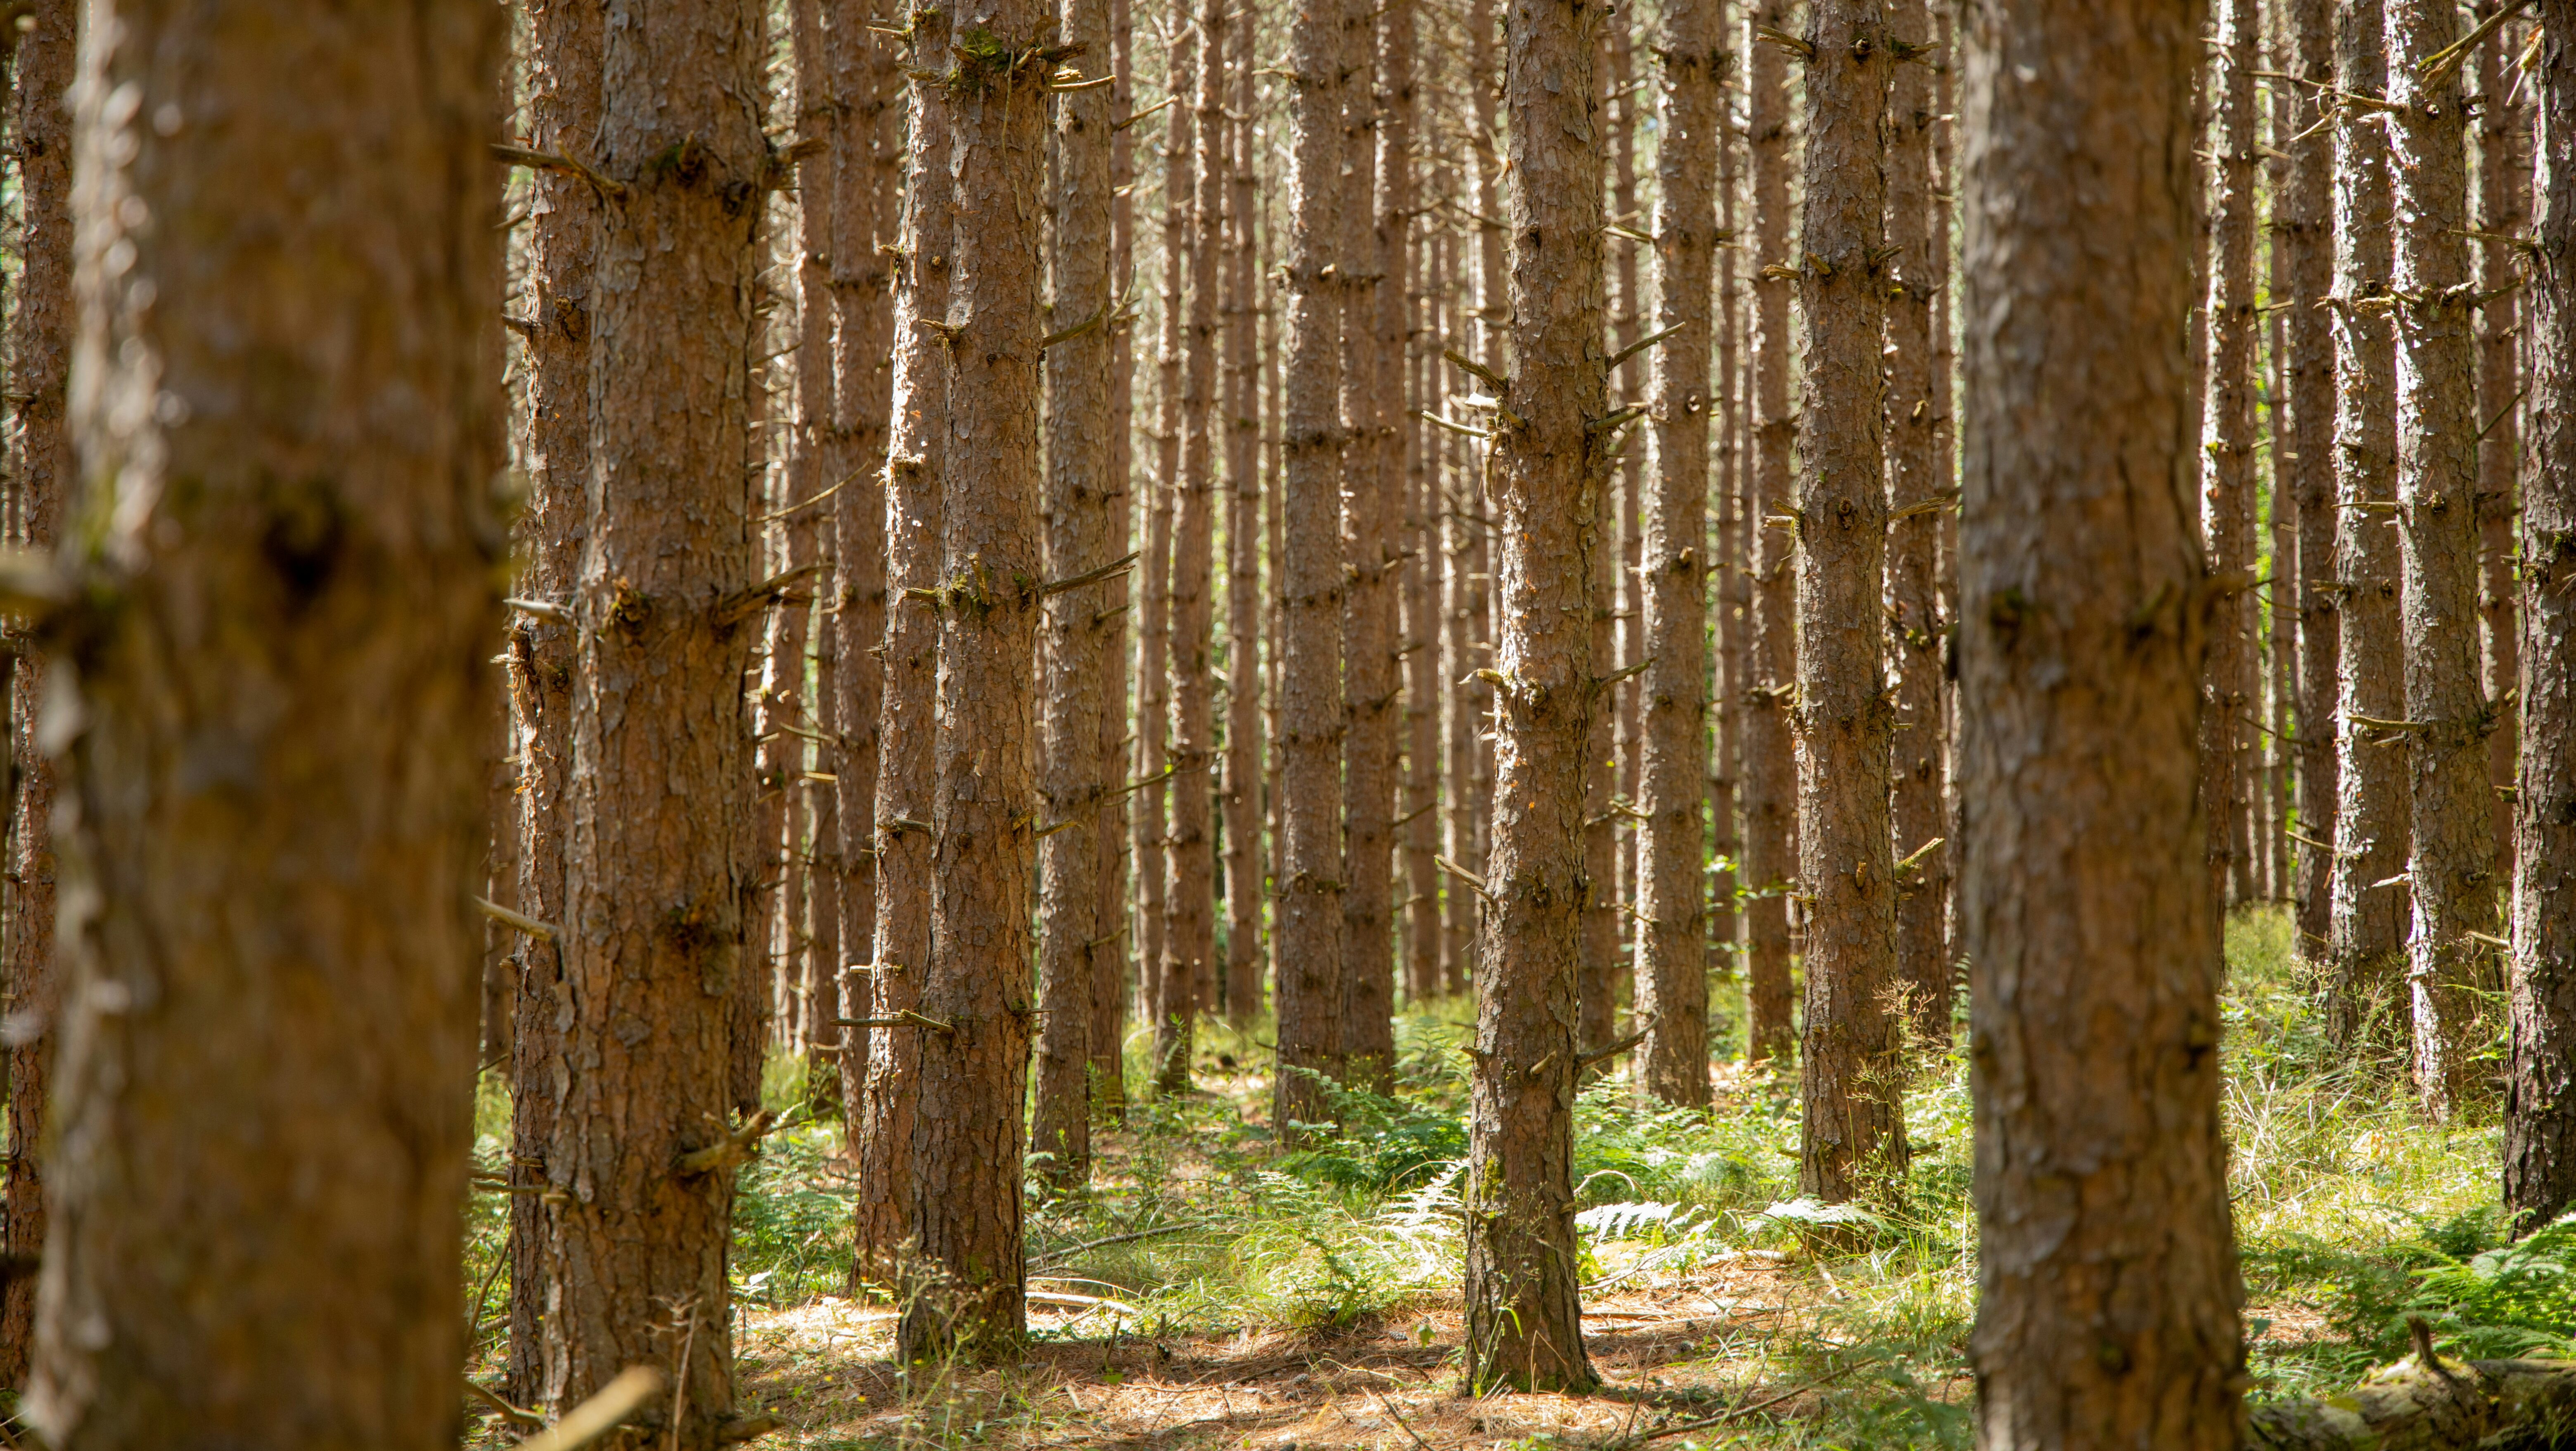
column 1246, row 881
column 1672, row 778
column 1111, row 976
column 562, row 82
column 1769, row 771
column 1309, row 932
column 1189, row 855
column 1400, row 341
column 968, row 1132
column 1369, row 689
column 1081, row 498
column 2086, row 917
column 866, row 124
column 916, row 473
column 301, row 548
column 44, row 64
column 1918, row 499
column 1726, row 553
column 2305, row 457
column 1154, row 636
column 1550, row 483
column 2540, row 1086
column 1494, row 312
column 2446, row 715
column 1596, row 982
column 1945, row 436
column 2366, row 927
column 2503, row 213
column 1461, row 505
column 1854, row 1071
column 2227, row 432
column 1630, row 383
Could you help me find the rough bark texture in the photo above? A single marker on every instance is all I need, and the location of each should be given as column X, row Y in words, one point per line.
column 1080, row 499
column 2446, row 715
column 1550, row 475
column 2367, row 912
column 1672, row 777
column 1109, row 983
column 42, row 470
column 1770, row 791
column 1918, row 806
column 1245, row 877
column 1154, row 633
column 2228, row 438
column 1409, row 555
column 968, row 1131
column 1726, row 551
column 2503, row 213
column 1369, row 690
column 1309, row 931
column 2540, row 1087
column 289, row 423
column 914, row 499
column 1605, row 767
column 1853, row 1139
column 2304, row 458
column 2107, row 1281
column 658, row 890
column 1189, row 917
column 562, row 81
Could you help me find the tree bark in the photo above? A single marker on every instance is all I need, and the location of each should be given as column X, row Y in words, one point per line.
column 1309, row 932
column 2303, row 218
column 1726, row 549
column 1154, row 635
column 1369, row 684
column 2447, row 716
column 1853, row 1142
column 1550, row 477
column 1110, row 978
column 1246, row 880
column 2107, row 1285
column 562, row 81
column 1610, row 846
column 289, row 425
column 1917, row 498
column 44, row 64
column 915, row 502
column 2540, row 1083
column 2228, row 434
column 1770, row 793
column 968, row 1130
column 2503, row 212
column 1413, row 556
column 2366, row 928
column 1672, row 778
column 1189, row 921
column 1081, row 497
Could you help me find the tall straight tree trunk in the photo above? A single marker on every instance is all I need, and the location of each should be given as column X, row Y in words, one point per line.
column 2446, row 717
column 2540, row 1083
column 915, row 503
column 866, row 125
column 1370, row 687
column 1726, row 554
column 562, row 81
column 2227, row 429
column 1945, row 429
column 1308, row 985
column 2107, row 1282
column 1494, row 314
column 1081, row 498
column 1410, row 587
column 1245, row 877
column 1616, row 890
column 968, row 1133
column 1854, row 1128
column 1461, row 505
column 2305, row 457
column 1189, row 920
column 1550, row 479
column 256, row 1165
column 46, row 60
column 1154, row 635
column 1672, row 777
column 1917, row 497
column 1596, row 982
column 1110, row 979
column 2366, row 927
column 659, row 881
column 2503, row 213
column 1769, row 771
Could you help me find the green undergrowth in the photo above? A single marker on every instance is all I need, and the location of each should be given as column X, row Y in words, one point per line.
column 2350, row 1215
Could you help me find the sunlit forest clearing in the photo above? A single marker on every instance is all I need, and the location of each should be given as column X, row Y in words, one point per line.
column 1246, row 1297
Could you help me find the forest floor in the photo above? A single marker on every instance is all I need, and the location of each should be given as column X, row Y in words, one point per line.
column 1265, row 1299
